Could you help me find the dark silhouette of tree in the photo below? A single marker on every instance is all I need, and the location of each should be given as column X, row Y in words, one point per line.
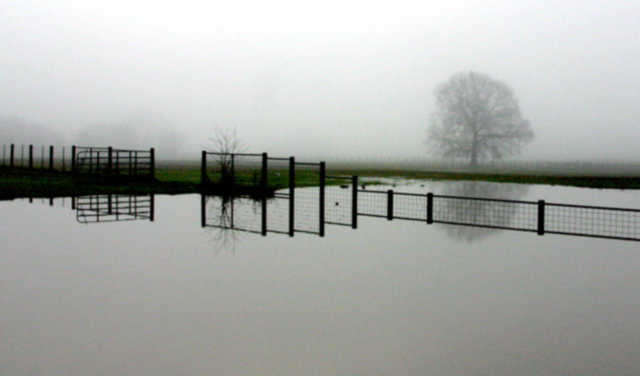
column 476, row 117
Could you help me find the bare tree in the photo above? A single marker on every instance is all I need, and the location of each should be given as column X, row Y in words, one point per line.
column 476, row 117
column 225, row 143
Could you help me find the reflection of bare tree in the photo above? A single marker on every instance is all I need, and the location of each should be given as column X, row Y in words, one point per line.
column 229, row 218
column 479, row 213
column 219, row 214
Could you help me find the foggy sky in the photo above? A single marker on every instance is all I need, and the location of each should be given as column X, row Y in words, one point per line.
column 320, row 79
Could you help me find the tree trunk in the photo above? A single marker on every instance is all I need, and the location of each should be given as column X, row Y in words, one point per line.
column 474, row 151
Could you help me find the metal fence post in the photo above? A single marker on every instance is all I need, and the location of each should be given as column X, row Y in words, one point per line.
column 203, row 211
column 354, row 202
column 203, row 168
column 152, row 213
column 263, row 185
column 429, row 208
column 152, row 155
column 541, row 205
column 292, row 194
column 73, row 160
column 322, row 186
column 50, row 157
column 390, row 205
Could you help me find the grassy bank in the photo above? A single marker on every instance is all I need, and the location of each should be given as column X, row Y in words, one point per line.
column 179, row 179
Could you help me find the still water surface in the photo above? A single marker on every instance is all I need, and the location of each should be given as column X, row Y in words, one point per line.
column 390, row 298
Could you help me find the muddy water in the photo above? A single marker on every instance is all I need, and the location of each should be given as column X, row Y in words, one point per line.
column 391, row 298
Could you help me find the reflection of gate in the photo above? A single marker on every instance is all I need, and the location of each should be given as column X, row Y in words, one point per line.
column 113, row 208
column 109, row 163
column 291, row 194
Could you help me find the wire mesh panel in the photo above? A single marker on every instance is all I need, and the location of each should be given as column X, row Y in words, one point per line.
column 246, row 169
column 307, row 200
column 242, row 214
column 233, row 169
column 516, row 215
column 114, row 208
column 410, row 206
column 339, row 200
column 372, row 203
column 592, row 221
column 278, row 174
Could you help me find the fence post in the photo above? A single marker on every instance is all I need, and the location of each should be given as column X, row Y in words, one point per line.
column 322, row 185
column 30, row 157
column 42, row 158
column 50, row 157
column 429, row 208
column 292, row 194
column 152, row 153
column 354, row 202
column 11, row 158
column 203, row 211
column 390, row 205
column 541, row 205
column 73, row 160
column 233, row 171
column 152, row 213
column 203, row 168
column 263, row 185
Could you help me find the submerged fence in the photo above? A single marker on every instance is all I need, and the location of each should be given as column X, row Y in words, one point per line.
column 304, row 199
column 533, row 216
column 267, row 180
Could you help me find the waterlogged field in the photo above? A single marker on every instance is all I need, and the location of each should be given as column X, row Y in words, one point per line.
column 169, row 296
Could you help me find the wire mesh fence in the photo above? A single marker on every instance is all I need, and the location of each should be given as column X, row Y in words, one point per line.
column 309, row 198
column 372, row 203
column 492, row 213
column 341, row 200
column 593, row 221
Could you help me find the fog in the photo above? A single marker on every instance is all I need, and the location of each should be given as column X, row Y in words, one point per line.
column 327, row 79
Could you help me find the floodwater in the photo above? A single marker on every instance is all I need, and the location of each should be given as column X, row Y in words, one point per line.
column 170, row 297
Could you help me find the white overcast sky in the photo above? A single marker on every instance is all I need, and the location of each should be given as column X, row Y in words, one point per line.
column 322, row 78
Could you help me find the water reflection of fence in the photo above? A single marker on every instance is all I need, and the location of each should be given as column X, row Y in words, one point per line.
column 539, row 217
column 338, row 200
column 113, row 208
column 294, row 209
